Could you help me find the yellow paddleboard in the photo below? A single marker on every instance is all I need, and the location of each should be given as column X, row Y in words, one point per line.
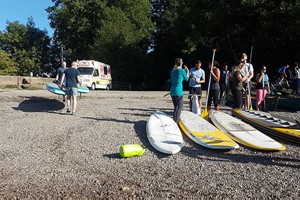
column 267, row 123
column 204, row 133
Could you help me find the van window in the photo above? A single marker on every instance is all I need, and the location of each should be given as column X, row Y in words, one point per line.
column 85, row 70
column 96, row 72
column 105, row 70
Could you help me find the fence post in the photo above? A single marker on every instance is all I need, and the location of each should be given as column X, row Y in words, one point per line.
column 19, row 82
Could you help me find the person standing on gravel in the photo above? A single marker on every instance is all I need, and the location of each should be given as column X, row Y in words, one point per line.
column 59, row 75
column 177, row 76
column 214, row 89
column 247, row 69
column 72, row 80
column 237, row 84
column 197, row 76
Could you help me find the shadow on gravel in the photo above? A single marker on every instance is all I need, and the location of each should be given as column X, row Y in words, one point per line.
column 226, row 156
column 149, row 111
column 140, row 130
column 39, row 104
column 113, row 156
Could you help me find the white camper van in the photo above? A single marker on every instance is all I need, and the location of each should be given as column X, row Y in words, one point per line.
column 94, row 74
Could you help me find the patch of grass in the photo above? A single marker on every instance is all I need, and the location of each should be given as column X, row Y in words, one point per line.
column 10, row 87
column 27, row 87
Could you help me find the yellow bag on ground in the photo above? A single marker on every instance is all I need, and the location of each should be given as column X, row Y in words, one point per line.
column 129, row 150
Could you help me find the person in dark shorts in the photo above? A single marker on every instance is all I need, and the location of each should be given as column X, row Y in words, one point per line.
column 224, row 80
column 214, row 89
column 72, row 76
column 197, row 76
column 237, row 84
column 59, row 75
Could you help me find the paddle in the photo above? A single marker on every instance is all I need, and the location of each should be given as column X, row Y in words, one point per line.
column 166, row 94
column 204, row 114
column 248, row 84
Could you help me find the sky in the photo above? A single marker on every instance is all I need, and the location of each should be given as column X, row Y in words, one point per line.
column 21, row 10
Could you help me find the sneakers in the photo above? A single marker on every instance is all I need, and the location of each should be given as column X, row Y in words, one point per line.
column 68, row 111
column 74, row 113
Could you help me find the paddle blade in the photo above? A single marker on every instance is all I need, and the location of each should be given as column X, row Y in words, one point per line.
column 166, row 94
column 204, row 114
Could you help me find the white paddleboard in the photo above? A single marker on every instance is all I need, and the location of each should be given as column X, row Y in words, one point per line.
column 163, row 133
column 204, row 133
column 243, row 133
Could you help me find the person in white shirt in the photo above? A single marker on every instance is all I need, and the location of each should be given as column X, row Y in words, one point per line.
column 248, row 67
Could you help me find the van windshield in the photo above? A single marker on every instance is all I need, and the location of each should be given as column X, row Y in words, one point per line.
column 86, row 70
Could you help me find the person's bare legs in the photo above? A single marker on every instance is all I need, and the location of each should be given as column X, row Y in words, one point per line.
column 68, row 103
column 247, row 102
column 200, row 103
column 74, row 104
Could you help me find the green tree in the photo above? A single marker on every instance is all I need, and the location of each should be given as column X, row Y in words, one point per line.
column 27, row 45
column 114, row 32
column 191, row 29
column 7, row 65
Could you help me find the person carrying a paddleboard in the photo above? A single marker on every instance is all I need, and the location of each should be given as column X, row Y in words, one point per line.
column 237, row 84
column 262, row 87
column 72, row 76
column 196, row 77
column 214, row 86
column 177, row 76
column 248, row 67
column 59, row 75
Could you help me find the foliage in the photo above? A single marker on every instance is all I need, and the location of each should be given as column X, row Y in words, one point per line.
column 7, row 65
column 114, row 32
column 26, row 46
column 191, row 29
column 141, row 38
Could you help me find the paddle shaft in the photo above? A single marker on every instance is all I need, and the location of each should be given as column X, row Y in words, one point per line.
column 208, row 88
column 248, row 84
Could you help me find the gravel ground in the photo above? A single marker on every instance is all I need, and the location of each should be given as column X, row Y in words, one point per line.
column 45, row 153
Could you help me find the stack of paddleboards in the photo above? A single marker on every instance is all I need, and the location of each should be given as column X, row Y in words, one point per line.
column 53, row 87
column 269, row 124
column 163, row 133
column 244, row 133
column 204, row 133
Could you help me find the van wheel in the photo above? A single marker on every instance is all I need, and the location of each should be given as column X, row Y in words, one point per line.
column 93, row 87
column 107, row 87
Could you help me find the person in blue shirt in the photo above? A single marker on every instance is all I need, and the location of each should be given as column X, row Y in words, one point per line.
column 282, row 70
column 197, row 76
column 72, row 76
column 59, row 75
column 60, row 72
column 177, row 76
